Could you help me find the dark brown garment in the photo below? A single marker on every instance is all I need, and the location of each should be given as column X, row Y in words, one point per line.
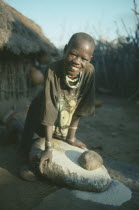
column 44, row 108
column 54, row 84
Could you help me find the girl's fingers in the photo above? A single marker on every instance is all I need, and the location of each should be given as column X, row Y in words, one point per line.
column 49, row 162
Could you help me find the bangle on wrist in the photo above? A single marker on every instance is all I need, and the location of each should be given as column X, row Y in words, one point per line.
column 71, row 139
column 73, row 127
column 48, row 144
column 50, row 149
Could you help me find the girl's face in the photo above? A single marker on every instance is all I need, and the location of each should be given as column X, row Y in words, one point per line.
column 77, row 56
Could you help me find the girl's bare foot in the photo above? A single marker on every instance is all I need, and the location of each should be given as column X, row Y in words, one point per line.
column 27, row 174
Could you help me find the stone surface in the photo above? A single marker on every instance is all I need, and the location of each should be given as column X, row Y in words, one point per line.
column 90, row 160
column 115, row 196
column 66, row 171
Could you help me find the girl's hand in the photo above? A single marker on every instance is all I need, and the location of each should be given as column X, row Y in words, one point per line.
column 77, row 143
column 46, row 156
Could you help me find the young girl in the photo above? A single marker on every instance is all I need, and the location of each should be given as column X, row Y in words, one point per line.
column 68, row 94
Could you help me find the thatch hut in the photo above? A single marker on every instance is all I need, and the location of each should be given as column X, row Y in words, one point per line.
column 20, row 40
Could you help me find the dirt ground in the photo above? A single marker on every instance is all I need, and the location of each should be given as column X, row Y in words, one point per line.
column 113, row 132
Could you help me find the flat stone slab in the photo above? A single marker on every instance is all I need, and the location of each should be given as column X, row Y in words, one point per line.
column 66, row 199
column 66, row 171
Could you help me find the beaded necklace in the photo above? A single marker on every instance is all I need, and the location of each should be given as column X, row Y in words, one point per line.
column 73, row 83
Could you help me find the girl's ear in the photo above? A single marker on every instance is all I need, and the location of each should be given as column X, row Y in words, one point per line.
column 91, row 58
column 65, row 48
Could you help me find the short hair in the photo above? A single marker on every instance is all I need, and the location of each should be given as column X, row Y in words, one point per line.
column 83, row 36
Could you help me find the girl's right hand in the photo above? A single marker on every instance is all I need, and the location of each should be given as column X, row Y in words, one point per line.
column 45, row 156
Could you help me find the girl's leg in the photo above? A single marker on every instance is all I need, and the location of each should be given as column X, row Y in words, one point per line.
column 27, row 136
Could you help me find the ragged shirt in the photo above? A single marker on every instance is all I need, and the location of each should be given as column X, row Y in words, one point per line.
column 58, row 102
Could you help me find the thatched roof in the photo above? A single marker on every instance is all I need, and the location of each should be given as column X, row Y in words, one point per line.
column 19, row 34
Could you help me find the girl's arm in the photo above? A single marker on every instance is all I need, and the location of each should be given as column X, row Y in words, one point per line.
column 73, row 127
column 47, row 153
column 71, row 138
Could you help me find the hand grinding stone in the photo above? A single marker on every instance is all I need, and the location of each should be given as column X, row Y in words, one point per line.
column 90, row 160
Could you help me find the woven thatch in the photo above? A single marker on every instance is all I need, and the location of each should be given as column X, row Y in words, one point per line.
column 19, row 34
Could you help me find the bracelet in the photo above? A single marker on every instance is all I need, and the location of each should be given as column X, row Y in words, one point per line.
column 48, row 144
column 73, row 127
column 71, row 139
column 50, row 149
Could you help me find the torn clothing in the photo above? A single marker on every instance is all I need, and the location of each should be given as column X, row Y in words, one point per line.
column 55, row 84
column 57, row 103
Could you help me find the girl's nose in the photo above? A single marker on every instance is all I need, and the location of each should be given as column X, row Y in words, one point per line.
column 77, row 60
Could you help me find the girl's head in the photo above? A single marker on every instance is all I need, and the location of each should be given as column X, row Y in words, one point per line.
column 78, row 53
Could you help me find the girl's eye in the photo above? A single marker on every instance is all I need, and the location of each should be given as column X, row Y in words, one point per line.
column 72, row 54
column 84, row 59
